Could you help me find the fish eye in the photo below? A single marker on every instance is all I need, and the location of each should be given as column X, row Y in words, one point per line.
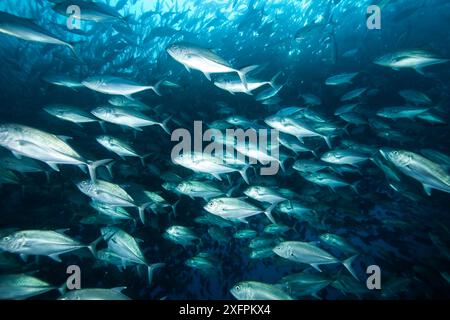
column 237, row 288
column 7, row 238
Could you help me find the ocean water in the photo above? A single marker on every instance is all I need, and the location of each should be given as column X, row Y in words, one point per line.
column 371, row 202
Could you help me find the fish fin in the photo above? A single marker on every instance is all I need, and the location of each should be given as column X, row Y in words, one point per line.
column 354, row 187
column 268, row 212
column 328, row 141
column 62, row 288
column 164, row 125
column 109, row 168
column 272, row 81
column 215, row 175
column 419, row 71
column 102, row 125
column 315, row 266
column 65, row 138
column 53, row 165
column 156, row 88
column 151, row 268
column 174, row 207
column 24, row 257
column 118, row 289
column 141, row 209
column 348, row 265
column 17, row 155
column 63, row 230
column 207, row 75
column 93, row 165
column 75, row 53
column 83, row 168
column 143, row 158
column 188, row 69
column 92, row 246
column 55, row 257
column 243, row 74
column 243, row 173
column 427, row 189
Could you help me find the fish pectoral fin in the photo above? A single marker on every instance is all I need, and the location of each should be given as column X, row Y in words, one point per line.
column 188, row 69
column 24, row 257
column 427, row 189
column 55, row 257
column 53, row 165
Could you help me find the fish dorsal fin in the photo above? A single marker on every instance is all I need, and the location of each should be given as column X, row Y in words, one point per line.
column 118, row 289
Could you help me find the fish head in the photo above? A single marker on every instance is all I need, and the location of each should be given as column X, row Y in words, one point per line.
column 214, row 206
column 12, row 242
column 240, row 291
column 4, row 133
column 283, row 250
column 105, row 140
column 85, row 186
column 103, row 111
column 397, row 157
column 253, row 191
column 183, row 186
column 331, row 156
column 94, row 83
column 234, row 120
column 178, row 51
column 276, row 121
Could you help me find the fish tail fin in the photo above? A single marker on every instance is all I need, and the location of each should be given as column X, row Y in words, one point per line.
column 142, row 158
column 151, row 268
column 62, row 288
column 109, row 168
column 243, row 74
column 92, row 246
column 93, row 165
column 174, row 207
column 243, row 173
column 272, row 81
column 164, row 125
column 102, row 125
column 347, row 263
column 156, row 88
column 71, row 46
column 328, row 141
column 268, row 212
column 354, row 187
column 141, row 210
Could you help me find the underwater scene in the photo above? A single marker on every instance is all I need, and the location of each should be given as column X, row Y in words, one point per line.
column 224, row 149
